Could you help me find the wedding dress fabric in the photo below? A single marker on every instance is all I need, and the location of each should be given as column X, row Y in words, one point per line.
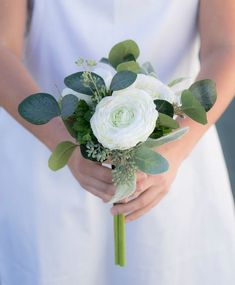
column 53, row 232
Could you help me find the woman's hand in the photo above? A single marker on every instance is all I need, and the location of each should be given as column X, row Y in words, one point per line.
column 92, row 176
column 150, row 189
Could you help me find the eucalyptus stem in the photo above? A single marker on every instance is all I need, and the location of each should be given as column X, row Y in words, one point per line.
column 119, row 240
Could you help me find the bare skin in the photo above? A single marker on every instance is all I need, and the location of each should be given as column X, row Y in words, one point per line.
column 216, row 23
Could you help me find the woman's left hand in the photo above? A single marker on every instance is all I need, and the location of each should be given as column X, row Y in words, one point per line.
column 150, row 189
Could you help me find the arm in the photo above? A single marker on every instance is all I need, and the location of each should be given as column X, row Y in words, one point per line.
column 217, row 56
column 16, row 83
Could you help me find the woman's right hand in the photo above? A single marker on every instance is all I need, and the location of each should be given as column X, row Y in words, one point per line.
column 92, row 176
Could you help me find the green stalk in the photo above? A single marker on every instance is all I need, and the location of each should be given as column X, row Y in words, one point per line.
column 119, row 240
column 116, row 224
column 122, row 240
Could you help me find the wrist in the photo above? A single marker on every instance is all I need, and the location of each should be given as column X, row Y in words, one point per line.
column 53, row 133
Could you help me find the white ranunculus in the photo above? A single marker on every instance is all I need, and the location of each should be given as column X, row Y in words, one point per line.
column 67, row 91
column 106, row 71
column 156, row 88
column 124, row 119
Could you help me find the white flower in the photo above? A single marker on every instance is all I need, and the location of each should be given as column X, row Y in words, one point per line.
column 106, row 71
column 67, row 91
column 155, row 88
column 124, row 119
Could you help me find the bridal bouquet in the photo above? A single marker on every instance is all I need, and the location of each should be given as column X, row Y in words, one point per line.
column 117, row 110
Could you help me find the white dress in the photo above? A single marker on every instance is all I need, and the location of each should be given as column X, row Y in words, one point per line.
column 52, row 232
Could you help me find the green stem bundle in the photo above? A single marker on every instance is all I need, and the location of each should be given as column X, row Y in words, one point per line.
column 119, row 239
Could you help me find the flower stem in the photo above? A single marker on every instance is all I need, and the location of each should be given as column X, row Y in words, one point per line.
column 119, row 240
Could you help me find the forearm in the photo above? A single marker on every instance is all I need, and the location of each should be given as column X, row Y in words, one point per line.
column 15, row 84
column 220, row 67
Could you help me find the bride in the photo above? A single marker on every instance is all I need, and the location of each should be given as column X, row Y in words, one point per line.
column 53, row 227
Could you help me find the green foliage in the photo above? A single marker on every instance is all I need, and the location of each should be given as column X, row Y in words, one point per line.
column 61, row 155
column 192, row 107
column 150, row 161
column 122, row 80
column 81, row 123
column 160, row 131
column 68, row 122
column 205, row 92
column 84, row 153
column 104, row 60
column 94, row 151
column 129, row 65
column 69, row 104
column 123, row 51
column 148, row 68
column 165, row 139
column 123, row 190
column 123, row 173
column 167, row 121
column 85, row 82
column 39, row 108
column 176, row 81
column 164, row 107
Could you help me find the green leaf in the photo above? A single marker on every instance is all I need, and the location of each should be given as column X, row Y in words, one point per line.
column 192, row 107
column 150, row 161
column 105, row 60
column 167, row 121
column 129, row 65
column 205, row 92
column 69, row 104
column 165, row 139
column 164, row 107
column 148, row 68
column 124, row 190
column 68, row 122
column 39, row 108
column 61, row 155
column 76, row 82
column 122, row 80
column 123, row 51
column 176, row 81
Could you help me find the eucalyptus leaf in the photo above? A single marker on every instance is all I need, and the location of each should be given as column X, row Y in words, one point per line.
column 167, row 121
column 104, row 60
column 76, row 82
column 192, row 107
column 124, row 190
column 165, row 139
column 69, row 104
column 68, row 122
column 129, row 65
column 176, row 81
column 205, row 92
column 123, row 51
column 150, row 161
column 39, row 108
column 164, row 107
column 61, row 155
column 148, row 68
column 122, row 80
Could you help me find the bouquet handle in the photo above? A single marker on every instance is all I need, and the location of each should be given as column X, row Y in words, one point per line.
column 119, row 239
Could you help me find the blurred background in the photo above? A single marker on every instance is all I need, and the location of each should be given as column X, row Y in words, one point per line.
column 226, row 130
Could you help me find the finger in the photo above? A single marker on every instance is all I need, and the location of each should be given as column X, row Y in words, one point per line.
column 99, row 188
column 137, row 214
column 104, row 197
column 98, row 172
column 159, row 181
column 140, row 202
